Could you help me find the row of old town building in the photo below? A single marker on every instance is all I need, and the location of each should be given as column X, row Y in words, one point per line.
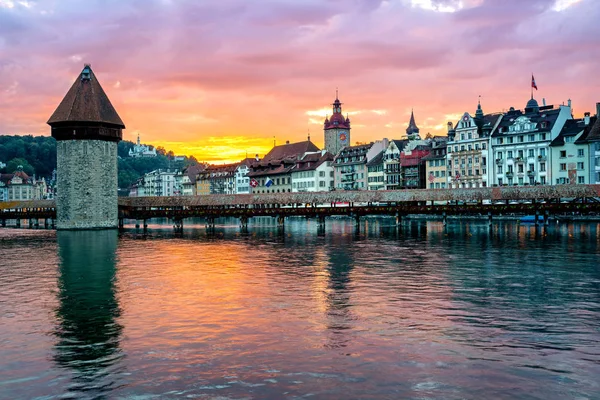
column 538, row 145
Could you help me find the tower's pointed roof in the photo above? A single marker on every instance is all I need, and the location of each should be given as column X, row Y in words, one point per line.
column 86, row 102
column 412, row 125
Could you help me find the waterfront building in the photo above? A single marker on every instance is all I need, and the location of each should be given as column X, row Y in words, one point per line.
column 20, row 186
column 242, row 180
column 412, row 165
column 435, row 164
column 188, row 180
column 521, row 144
column 350, row 165
column 222, row 178
column 313, row 172
column 157, row 183
column 570, row 155
column 87, row 129
column 141, row 150
column 375, row 172
column 591, row 137
column 272, row 174
column 391, row 164
column 336, row 129
column 468, row 149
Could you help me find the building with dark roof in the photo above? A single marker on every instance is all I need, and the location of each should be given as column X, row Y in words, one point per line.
column 468, row 149
column 313, row 172
column 350, row 165
column 435, row 164
column 412, row 131
column 375, row 172
column 272, row 174
column 391, row 163
column 521, row 144
column 570, row 154
column 591, row 137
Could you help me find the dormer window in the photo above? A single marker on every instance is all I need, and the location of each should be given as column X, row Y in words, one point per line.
column 86, row 74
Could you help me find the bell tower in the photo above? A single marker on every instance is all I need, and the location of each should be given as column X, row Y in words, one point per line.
column 336, row 129
column 87, row 129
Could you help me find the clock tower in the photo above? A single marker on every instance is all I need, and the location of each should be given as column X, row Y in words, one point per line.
column 336, row 129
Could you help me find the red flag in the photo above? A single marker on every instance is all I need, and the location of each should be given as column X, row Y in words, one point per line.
column 533, row 85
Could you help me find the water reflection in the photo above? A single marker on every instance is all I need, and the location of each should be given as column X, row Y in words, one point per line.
column 88, row 332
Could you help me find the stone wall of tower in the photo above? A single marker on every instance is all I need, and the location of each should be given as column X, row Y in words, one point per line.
column 333, row 144
column 87, row 185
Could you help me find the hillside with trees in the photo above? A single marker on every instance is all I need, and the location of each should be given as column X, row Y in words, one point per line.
column 37, row 155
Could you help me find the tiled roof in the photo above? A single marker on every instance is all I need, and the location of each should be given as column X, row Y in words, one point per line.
column 549, row 116
column 310, row 162
column 288, row 150
column 378, row 159
column 86, row 102
column 572, row 127
column 594, row 133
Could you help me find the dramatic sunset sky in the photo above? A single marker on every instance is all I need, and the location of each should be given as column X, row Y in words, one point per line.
column 217, row 78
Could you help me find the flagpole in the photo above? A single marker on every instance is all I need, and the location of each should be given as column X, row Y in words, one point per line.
column 532, row 85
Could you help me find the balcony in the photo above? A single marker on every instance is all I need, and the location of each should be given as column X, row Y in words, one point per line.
column 509, row 174
column 499, row 161
column 542, row 158
column 519, row 160
column 348, row 178
column 530, row 173
column 348, row 171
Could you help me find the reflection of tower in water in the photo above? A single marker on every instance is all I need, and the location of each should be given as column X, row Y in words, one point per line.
column 88, row 334
column 339, row 315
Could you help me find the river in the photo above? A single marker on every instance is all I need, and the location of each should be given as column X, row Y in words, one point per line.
column 423, row 311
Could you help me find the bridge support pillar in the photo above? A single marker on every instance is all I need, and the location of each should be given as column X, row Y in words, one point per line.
column 121, row 223
column 178, row 225
column 537, row 216
column 210, row 222
column 244, row 222
column 4, row 223
column 36, row 223
column 398, row 218
column 322, row 221
column 137, row 224
column 280, row 221
column 30, row 222
column 145, row 225
column 357, row 222
column 53, row 224
column 489, row 219
column 546, row 217
column 18, row 222
column 444, row 218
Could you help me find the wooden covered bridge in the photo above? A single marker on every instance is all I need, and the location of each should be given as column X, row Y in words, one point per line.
column 543, row 201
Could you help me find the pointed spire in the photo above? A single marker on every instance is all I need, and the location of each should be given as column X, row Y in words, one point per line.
column 86, row 102
column 336, row 93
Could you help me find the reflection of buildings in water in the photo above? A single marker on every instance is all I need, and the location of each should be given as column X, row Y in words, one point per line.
column 88, row 334
column 339, row 315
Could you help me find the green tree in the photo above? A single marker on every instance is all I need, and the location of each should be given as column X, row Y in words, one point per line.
column 14, row 164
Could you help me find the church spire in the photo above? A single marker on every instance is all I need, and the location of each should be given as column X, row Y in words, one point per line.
column 412, row 131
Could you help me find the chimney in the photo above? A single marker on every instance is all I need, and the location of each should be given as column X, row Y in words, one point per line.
column 544, row 101
column 287, row 142
column 569, row 103
column 598, row 110
column 586, row 118
column 450, row 126
column 256, row 158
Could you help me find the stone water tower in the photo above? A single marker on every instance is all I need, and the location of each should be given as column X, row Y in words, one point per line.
column 87, row 129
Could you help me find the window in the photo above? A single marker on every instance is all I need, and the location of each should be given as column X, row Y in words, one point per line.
column 476, row 146
column 531, row 153
column 509, row 169
column 542, row 167
column 499, row 169
column 542, row 136
column 569, row 139
column 470, row 135
column 581, row 179
column 521, row 139
column 563, row 167
column 543, row 180
column 483, row 161
column 483, row 146
column 543, row 152
column 563, row 153
column 499, row 155
column 532, row 138
column 580, row 166
column 510, row 140
column 520, row 152
column 509, row 154
column 531, row 167
column 470, row 148
column 499, row 141
column 500, row 181
column 580, row 153
column 520, row 168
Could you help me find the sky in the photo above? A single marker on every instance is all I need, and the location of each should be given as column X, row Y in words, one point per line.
column 219, row 79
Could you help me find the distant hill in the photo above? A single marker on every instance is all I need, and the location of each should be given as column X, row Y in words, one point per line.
column 37, row 155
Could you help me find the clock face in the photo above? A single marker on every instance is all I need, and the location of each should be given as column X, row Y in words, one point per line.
column 466, row 118
column 343, row 136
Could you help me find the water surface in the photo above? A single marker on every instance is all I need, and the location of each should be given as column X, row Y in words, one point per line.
column 417, row 312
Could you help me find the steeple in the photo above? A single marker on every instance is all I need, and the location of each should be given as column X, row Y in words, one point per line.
column 87, row 108
column 412, row 131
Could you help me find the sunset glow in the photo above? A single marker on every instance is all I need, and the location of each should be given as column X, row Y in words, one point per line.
column 222, row 79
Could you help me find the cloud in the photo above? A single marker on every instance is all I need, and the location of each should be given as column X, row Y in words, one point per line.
column 187, row 71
